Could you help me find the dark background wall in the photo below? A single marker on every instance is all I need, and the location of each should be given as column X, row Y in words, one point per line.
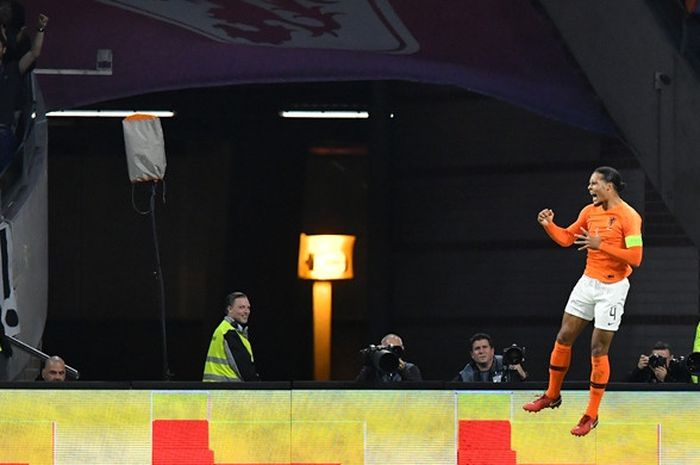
column 443, row 204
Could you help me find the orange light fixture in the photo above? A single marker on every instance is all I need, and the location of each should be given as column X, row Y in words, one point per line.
column 322, row 258
column 325, row 257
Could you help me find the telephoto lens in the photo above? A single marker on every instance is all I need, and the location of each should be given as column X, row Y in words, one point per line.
column 385, row 360
column 513, row 355
column 693, row 363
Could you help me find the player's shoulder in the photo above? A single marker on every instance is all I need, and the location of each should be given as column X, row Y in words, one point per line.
column 588, row 209
column 629, row 211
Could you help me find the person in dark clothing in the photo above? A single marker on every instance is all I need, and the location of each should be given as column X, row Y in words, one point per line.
column 12, row 15
column 403, row 371
column 11, row 73
column 54, row 369
column 660, row 367
column 487, row 367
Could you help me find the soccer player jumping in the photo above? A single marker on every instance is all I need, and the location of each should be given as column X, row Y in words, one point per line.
column 609, row 230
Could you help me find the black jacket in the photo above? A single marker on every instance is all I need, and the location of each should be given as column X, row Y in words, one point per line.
column 410, row 372
column 497, row 374
column 240, row 354
column 677, row 373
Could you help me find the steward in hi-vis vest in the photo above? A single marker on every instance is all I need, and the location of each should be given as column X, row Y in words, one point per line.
column 230, row 355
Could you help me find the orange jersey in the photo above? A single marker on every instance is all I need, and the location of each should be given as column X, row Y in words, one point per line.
column 620, row 229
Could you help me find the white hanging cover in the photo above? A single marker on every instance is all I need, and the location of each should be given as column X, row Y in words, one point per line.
column 9, row 313
column 145, row 147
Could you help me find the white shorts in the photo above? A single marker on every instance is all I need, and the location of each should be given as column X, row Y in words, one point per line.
column 595, row 300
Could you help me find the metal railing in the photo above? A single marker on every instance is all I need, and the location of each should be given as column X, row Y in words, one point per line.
column 72, row 372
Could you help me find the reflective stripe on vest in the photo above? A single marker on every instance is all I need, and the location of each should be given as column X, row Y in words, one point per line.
column 216, row 366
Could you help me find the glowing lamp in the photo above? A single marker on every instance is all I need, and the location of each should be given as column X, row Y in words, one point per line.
column 322, row 258
column 325, row 257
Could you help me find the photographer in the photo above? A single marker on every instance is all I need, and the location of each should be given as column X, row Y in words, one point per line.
column 659, row 367
column 384, row 363
column 486, row 367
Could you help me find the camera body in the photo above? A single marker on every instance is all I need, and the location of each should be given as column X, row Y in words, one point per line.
column 513, row 355
column 691, row 362
column 656, row 360
column 382, row 358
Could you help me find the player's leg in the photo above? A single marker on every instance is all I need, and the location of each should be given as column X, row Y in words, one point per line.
column 600, row 368
column 600, row 374
column 578, row 313
column 559, row 361
column 608, row 314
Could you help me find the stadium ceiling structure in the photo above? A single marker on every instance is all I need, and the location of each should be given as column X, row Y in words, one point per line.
column 505, row 49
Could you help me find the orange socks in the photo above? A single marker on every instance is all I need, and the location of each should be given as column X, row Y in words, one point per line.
column 558, row 366
column 600, row 374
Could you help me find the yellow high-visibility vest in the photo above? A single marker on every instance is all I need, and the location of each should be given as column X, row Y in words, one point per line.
column 216, row 366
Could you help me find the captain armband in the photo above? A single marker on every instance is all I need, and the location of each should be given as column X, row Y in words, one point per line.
column 633, row 241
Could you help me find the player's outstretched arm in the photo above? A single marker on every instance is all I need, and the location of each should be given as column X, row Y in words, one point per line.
column 562, row 236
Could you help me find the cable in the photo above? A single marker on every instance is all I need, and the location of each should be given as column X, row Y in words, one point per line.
column 167, row 375
column 133, row 202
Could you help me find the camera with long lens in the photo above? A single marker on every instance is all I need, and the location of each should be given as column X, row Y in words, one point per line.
column 693, row 363
column 513, row 355
column 382, row 358
column 656, row 361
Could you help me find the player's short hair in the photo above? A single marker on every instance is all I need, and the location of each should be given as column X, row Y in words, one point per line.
column 613, row 176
